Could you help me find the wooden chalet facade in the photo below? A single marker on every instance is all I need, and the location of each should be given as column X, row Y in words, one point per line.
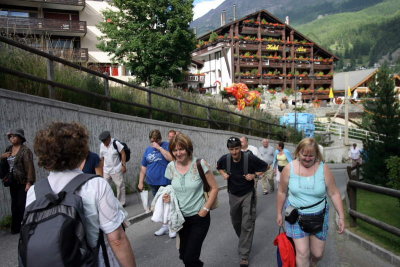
column 260, row 51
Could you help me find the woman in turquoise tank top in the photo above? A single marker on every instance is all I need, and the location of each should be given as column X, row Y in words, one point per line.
column 308, row 181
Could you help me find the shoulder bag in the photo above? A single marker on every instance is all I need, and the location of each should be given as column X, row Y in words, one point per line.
column 206, row 186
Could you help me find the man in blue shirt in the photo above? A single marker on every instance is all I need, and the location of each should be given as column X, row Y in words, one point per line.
column 154, row 163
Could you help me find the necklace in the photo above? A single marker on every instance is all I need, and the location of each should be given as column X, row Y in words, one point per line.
column 306, row 182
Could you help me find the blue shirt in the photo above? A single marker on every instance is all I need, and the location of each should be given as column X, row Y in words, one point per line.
column 156, row 165
column 92, row 161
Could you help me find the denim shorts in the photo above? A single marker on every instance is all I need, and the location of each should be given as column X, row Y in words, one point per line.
column 294, row 230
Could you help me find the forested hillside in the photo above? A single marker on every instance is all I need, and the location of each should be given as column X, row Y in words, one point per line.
column 299, row 12
column 362, row 37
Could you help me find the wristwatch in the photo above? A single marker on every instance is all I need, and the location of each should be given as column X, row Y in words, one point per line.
column 204, row 208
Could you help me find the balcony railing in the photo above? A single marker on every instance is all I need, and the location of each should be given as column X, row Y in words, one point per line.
column 71, row 54
column 195, row 78
column 35, row 24
column 248, row 46
column 246, row 63
column 62, row 2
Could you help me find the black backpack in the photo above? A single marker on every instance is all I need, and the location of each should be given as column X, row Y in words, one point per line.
column 126, row 148
column 53, row 232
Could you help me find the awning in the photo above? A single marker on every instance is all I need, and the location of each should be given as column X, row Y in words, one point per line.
column 99, row 57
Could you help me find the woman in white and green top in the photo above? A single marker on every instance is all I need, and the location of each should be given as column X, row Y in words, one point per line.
column 188, row 187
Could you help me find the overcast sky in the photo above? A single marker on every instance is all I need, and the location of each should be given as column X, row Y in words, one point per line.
column 201, row 7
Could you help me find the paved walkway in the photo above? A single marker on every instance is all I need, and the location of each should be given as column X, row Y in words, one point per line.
column 341, row 250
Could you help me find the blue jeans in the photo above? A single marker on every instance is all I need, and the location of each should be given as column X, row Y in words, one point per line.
column 154, row 188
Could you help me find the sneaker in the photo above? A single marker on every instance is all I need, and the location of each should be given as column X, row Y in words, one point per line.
column 265, row 193
column 244, row 263
column 162, row 231
column 172, row 234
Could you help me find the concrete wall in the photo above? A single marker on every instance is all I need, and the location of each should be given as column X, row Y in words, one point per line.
column 32, row 113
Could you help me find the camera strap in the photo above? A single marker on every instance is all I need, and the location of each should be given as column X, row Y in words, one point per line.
column 313, row 205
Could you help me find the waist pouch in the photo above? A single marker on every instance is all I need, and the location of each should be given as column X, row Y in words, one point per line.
column 312, row 223
column 292, row 216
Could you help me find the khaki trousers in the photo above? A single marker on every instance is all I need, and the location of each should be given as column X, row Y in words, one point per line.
column 267, row 180
column 243, row 217
column 118, row 179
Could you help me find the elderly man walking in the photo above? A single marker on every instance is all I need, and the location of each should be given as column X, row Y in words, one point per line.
column 267, row 155
column 246, row 147
column 112, row 153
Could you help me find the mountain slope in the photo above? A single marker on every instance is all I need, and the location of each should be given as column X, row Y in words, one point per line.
column 361, row 37
column 298, row 12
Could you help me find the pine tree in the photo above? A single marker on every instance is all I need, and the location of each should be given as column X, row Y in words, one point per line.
column 383, row 112
column 151, row 37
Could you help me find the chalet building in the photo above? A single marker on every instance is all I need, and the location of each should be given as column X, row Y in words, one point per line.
column 193, row 79
column 261, row 51
column 358, row 81
column 66, row 28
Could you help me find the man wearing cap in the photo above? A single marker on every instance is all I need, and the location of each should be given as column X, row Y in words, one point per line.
column 114, row 167
column 242, row 198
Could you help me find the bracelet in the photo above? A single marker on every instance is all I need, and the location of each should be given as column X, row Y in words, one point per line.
column 204, row 208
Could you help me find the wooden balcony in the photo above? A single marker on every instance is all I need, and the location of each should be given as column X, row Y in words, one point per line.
column 273, row 63
column 322, row 65
column 35, row 25
column 302, row 65
column 303, row 80
column 210, row 48
column 273, row 80
column 52, row 4
column 272, row 47
column 250, row 80
column 74, row 54
column 248, row 63
column 249, row 30
column 195, row 78
column 323, row 81
column 271, row 32
column 246, row 46
column 302, row 50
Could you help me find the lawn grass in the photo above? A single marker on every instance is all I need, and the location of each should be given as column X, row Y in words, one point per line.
column 383, row 208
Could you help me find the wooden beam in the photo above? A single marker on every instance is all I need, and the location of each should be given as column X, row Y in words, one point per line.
column 226, row 61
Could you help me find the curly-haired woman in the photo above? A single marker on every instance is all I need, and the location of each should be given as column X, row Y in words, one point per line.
column 21, row 174
column 61, row 148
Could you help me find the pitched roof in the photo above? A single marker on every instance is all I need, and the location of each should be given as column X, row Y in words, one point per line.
column 273, row 18
column 355, row 78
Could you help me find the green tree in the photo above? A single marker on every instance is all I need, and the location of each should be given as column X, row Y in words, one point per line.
column 384, row 119
column 152, row 38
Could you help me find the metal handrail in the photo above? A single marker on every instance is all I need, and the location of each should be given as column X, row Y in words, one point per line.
column 109, row 99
